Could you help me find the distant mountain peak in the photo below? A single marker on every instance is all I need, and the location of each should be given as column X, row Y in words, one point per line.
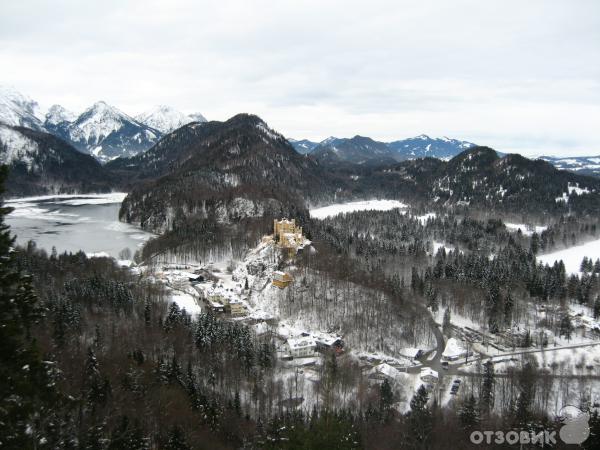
column 17, row 109
column 57, row 114
column 166, row 119
column 104, row 109
column 197, row 117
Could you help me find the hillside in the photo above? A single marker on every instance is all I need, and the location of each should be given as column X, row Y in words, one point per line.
column 357, row 150
column 303, row 146
column 41, row 163
column 222, row 171
column 480, row 178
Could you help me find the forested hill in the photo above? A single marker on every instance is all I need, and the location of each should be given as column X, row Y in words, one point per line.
column 41, row 163
column 238, row 169
column 357, row 150
column 479, row 178
column 226, row 171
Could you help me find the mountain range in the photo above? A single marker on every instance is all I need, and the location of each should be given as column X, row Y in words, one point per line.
column 102, row 130
column 107, row 133
column 242, row 169
column 584, row 165
column 364, row 150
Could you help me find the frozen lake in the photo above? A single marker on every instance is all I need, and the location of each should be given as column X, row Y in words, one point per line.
column 74, row 222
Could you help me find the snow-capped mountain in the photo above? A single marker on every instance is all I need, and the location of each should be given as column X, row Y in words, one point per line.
column 197, row 117
column 364, row 150
column 417, row 147
column 166, row 119
column 58, row 114
column 423, row 146
column 583, row 165
column 107, row 133
column 19, row 110
column 102, row 130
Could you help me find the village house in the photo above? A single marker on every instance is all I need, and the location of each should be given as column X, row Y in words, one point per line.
column 325, row 342
column 301, row 347
column 235, row 308
column 384, row 371
column 411, row 353
column 454, row 351
column 282, row 279
column 216, row 303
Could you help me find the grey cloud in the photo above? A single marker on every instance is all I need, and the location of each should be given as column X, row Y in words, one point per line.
column 516, row 74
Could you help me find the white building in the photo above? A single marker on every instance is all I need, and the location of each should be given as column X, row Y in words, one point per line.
column 383, row 371
column 429, row 375
column 454, row 351
column 411, row 353
column 301, row 347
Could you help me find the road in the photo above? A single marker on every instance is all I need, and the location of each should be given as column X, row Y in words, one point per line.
column 454, row 370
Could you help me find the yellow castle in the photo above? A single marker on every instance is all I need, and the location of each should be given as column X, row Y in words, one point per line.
column 287, row 234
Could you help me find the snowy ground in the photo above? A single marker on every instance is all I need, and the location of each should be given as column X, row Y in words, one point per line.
column 572, row 256
column 299, row 378
column 526, row 230
column 187, row 301
column 368, row 205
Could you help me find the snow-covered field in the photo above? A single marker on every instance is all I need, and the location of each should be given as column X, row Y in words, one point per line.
column 572, row 256
column 187, row 301
column 368, row 205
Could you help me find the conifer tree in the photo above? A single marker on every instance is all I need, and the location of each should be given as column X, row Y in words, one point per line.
column 176, row 439
column 487, row 389
column 566, row 327
column 446, row 324
column 27, row 391
column 386, row 399
column 597, row 307
column 420, row 417
column 468, row 414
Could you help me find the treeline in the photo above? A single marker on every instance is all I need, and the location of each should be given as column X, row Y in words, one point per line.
column 134, row 373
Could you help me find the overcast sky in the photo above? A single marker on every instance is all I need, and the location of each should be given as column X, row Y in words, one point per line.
column 521, row 76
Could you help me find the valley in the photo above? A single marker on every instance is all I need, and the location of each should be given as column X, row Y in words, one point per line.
column 259, row 285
